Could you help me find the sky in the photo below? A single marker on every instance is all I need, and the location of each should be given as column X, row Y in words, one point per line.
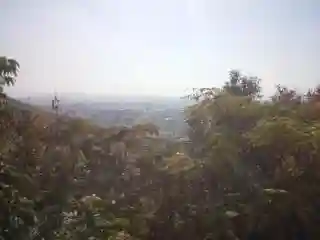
column 163, row 48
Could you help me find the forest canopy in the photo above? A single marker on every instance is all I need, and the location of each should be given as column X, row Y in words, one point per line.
column 250, row 170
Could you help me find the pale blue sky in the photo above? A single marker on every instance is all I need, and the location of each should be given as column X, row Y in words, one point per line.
column 159, row 47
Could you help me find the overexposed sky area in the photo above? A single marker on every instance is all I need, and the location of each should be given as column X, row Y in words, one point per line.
column 159, row 47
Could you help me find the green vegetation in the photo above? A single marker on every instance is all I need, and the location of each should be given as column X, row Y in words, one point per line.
column 250, row 171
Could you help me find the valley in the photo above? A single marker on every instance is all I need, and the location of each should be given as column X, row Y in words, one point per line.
column 165, row 112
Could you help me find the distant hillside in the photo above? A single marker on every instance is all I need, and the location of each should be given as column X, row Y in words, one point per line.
column 21, row 105
column 166, row 113
column 43, row 116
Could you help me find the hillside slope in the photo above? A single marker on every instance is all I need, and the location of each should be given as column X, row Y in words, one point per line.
column 41, row 116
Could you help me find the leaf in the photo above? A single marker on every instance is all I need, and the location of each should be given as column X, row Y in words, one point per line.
column 233, row 195
column 231, row 214
column 275, row 191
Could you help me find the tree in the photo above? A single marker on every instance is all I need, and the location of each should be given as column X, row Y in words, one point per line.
column 9, row 69
column 255, row 152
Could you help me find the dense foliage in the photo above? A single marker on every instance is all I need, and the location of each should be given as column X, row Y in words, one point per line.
column 250, row 171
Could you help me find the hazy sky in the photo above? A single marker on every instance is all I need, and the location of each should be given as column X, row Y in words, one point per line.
column 158, row 47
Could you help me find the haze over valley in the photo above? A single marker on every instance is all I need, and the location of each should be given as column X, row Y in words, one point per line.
column 108, row 111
